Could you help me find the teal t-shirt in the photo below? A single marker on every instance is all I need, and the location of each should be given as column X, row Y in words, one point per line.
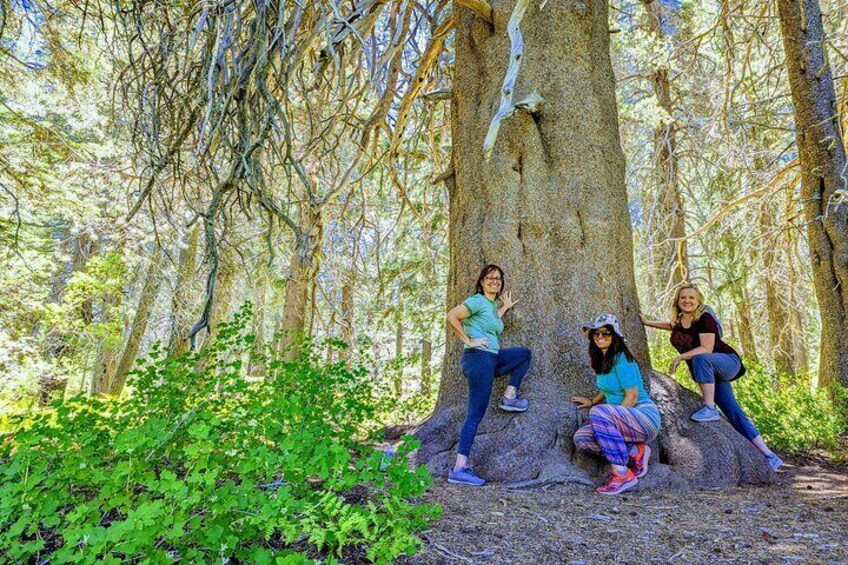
column 625, row 374
column 483, row 321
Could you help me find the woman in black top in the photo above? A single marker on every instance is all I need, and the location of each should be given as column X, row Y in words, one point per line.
column 695, row 334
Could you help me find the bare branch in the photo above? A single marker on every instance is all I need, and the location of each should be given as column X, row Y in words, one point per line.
column 515, row 55
column 479, row 7
column 428, row 61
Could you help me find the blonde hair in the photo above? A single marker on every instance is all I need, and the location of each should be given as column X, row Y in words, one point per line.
column 675, row 305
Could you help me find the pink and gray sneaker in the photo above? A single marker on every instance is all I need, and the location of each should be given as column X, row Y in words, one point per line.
column 619, row 483
column 639, row 461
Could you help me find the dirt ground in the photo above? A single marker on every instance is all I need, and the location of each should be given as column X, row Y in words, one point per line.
column 804, row 519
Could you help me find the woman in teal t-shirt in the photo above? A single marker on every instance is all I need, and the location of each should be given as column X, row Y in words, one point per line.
column 477, row 322
column 622, row 428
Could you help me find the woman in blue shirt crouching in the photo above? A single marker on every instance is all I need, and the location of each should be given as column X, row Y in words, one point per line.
column 621, row 429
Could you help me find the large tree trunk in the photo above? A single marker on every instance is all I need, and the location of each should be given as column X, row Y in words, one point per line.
column 550, row 207
column 824, row 172
column 149, row 290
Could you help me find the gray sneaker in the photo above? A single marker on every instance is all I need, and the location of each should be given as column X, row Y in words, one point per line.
column 706, row 414
column 465, row 476
column 516, row 404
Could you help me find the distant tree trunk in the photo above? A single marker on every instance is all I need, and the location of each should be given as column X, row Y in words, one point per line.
column 426, row 370
column 398, row 374
column 800, row 352
column 671, row 262
column 181, row 301
column 796, row 305
column 780, row 335
column 741, row 300
column 108, row 357
column 149, row 290
column 303, row 272
column 224, row 291
column 738, row 287
column 260, row 291
column 824, row 176
column 348, row 285
column 550, row 207
column 426, row 342
column 83, row 246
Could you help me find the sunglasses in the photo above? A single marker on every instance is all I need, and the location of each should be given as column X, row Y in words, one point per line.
column 603, row 333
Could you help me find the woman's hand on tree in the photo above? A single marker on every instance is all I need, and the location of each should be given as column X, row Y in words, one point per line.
column 643, row 319
column 582, row 401
column 479, row 342
column 674, row 364
column 507, row 302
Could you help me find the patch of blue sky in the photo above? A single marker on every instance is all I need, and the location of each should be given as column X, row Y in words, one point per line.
column 29, row 47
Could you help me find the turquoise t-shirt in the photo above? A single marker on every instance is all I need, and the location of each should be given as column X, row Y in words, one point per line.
column 623, row 375
column 483, row 321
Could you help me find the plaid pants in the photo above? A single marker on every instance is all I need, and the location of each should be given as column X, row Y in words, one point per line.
column 612, row 430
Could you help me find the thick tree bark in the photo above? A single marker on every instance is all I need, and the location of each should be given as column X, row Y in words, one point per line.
column 550, row 207
column 824, row 173
column 149, row 290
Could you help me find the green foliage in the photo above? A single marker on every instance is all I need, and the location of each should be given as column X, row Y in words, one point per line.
column 220, row 455
column 791, row 415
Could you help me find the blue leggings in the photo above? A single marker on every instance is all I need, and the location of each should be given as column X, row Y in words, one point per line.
column 480, row 368
column 718, row 369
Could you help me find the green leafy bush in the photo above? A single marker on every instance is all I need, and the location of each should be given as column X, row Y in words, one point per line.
column 216, row 456
column 792, row 416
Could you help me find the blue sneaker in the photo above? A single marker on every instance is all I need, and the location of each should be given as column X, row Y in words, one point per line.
column 516, row 404
column 465, row 476
column 774, row 461
column 706, row 414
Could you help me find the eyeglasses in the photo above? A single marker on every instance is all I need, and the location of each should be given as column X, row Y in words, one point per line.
column 604, row 334
column 493, row 279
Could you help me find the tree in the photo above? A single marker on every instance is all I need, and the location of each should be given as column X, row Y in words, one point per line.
column 550, row 207
column 671, row 263
column 824, row 176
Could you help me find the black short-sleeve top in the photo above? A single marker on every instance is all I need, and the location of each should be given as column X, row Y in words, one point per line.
column 687, row 339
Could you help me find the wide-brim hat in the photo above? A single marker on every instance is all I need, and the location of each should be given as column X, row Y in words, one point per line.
column 602, row 320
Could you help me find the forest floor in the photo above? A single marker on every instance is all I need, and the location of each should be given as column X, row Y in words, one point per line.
column 803, row 519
